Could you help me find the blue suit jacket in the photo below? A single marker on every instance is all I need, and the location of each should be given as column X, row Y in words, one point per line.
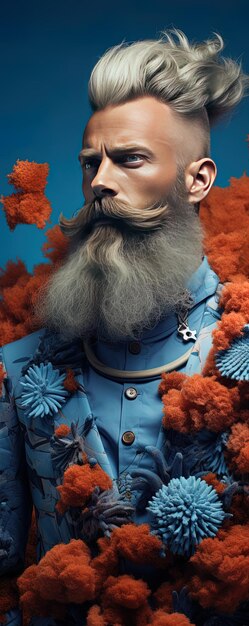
column 30, row 472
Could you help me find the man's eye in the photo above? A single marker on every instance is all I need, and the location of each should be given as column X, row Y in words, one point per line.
column 87, row 164
column 133, row 158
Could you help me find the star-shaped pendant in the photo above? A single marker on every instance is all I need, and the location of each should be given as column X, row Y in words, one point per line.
column 186, row 333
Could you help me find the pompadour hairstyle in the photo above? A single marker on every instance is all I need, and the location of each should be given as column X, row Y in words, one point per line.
column 191, row 77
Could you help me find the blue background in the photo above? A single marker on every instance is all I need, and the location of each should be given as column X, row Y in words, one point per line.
column 47, row 51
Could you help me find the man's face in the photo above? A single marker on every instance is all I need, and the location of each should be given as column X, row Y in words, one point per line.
column 129, row 152
column 137, row 239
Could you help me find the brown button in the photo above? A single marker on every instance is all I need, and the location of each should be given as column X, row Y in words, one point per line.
column 131, row 393
column 128, row 437
column 134, row 347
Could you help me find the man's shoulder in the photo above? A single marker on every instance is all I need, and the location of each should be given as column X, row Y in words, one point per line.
column 26, row 341
column 14, row 355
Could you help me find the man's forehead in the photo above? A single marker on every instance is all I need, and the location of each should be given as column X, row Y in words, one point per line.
column 141, row 121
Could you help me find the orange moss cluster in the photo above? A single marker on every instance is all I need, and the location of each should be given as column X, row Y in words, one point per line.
column 56, row 246
column 234, row 301
column 29, row 176
column 174, row 619
column 62, row 431
column 79, row 482
column 131, row 542
column 67, row 574
column 163, row 595
column 224, row 215
column 197, row 403
column 222, row 566
column 137, row 544
column 64, row 575
column 211, row 479
column 123, row 601
column 70, row 383
column 29, row 205
column 238, row 446
column 19, row 290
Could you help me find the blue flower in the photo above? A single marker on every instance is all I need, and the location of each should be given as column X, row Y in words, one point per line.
column 63, row 354
column 234, row 362
column 105, row 511
column 186, row 511
column 182, row 602
column 205, row 453
column 68, row 450
column 43, row 391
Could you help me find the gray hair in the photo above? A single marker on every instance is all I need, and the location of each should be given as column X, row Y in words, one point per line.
column 190, row 77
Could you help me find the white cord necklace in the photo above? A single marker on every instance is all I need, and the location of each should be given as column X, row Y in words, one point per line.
column 133, row 374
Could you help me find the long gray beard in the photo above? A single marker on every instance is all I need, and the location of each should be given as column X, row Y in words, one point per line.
column 118, row 281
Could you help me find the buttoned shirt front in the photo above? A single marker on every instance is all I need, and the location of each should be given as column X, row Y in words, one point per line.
column 128, row 414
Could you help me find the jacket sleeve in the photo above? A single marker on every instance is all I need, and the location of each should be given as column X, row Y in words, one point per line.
column 15, row 499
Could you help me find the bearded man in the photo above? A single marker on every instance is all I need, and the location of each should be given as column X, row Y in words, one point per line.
column 134, row 299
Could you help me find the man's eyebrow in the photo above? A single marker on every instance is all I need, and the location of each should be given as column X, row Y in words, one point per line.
column 118, row 150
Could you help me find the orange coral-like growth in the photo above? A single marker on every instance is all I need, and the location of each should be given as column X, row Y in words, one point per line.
column 12, row 273
column 118, row 616
column 79, row 482
column 123, row 601
column 95, row 617
column 64, row 575
column 211, row 479
column 228, row 328
column 125, row 591
column 173, row 380
column 163, row 595
column 106, row 563
column 238, row 446
column 136, row 543
column 174, row 619
column 29, row 205
column 201, row 403
column 29, row 176
column 222, row 566
column 224, row 215
column 26, row 208
column 235, row 297
column 56, row 246
column 62, row 431
column 70, row 383
column 19, row 291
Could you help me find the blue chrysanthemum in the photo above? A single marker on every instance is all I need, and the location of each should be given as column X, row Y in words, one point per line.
column 186, row 511
column 205, row 453
column 43, row 391
column 234, row 362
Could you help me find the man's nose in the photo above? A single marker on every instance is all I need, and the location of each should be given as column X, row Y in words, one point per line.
column 103, row 184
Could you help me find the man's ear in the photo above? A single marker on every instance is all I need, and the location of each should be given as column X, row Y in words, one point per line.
column 199, row 178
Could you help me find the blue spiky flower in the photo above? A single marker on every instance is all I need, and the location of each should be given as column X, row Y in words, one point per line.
column 234, row 362
column 43, row 392
column 186, row 511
